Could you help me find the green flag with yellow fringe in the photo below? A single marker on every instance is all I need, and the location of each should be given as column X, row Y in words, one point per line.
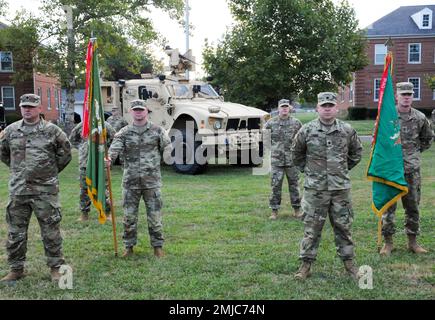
column 95, row 170
column 385, row 166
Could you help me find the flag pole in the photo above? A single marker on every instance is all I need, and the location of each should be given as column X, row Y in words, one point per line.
column 97, row 133
column 112, row 207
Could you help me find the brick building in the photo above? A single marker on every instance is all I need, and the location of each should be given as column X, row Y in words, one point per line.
column 412, row 33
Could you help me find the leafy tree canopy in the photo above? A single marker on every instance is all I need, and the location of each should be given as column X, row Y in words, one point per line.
column 122, row 28
column 22, row 38
column 282, row 48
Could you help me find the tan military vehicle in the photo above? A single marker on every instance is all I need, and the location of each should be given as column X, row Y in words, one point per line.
column 202, row 126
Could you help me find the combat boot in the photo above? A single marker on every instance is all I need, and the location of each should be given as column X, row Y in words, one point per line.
column 128, row 252
column 388, row 246
column 13, row 275
column 304, row 271
column 297, row 213
column 158, row 252
column 274, row 215
column 351, row 268
column 84, row 217
column 413, row 246
column 55, row 274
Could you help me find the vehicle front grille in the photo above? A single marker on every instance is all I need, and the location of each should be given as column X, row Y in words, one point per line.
column 233, row 124
column 236, row 124
column 254, row 123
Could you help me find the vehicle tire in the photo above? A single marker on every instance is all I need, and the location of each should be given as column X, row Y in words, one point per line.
column 188, row 148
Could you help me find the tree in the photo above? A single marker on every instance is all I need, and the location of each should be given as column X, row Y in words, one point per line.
column 3, row 7
column 122, row 30
column 22, row 37
column 284, row 48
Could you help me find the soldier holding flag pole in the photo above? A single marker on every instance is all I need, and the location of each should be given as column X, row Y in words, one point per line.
column 401, row 134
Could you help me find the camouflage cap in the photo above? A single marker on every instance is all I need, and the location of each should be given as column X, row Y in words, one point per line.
column 30, row 99
column 405, row 87
column 327, row 97
column 284, row 102
column 138, row 104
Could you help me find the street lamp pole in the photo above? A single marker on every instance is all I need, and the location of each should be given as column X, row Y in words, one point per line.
column 69, row 106
column 186, row 29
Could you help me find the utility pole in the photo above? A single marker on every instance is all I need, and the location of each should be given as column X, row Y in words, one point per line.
column 71, row 85
column 186, row 29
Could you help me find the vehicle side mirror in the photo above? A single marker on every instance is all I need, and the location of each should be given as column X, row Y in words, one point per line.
column 169, row 109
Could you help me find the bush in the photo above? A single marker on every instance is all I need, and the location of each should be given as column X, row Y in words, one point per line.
column 11, row 118
column 357, row 113
column 372, row 113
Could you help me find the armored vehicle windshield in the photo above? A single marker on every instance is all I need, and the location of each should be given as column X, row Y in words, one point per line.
column 185, row 91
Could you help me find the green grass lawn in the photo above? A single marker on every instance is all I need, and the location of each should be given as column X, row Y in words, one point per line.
column 220, row 244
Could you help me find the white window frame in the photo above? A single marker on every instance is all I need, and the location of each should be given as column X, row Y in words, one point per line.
column 378, row 48
column 374, row 89
column 418, row 89
column 57, row 98
column 409, row 53
column 13, row 97
column 48, row 98
column 12, row 62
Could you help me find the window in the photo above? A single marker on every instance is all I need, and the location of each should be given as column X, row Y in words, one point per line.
column 416, row 83
column 425, row 22
column 8, row 98
column 57, row 99
column 414, row 53
column 48, row 99
column 433, row 94
column 380, row 53
column 6, row 61
column 376, row 89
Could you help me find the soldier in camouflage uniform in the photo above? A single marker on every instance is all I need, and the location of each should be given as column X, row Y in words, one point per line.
column 141, row 146
column 116, row 120
column 416, row 137
column 81, row 144
column 433, row 119
column 281, row 131
column 36, row 151
column 326, row 149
